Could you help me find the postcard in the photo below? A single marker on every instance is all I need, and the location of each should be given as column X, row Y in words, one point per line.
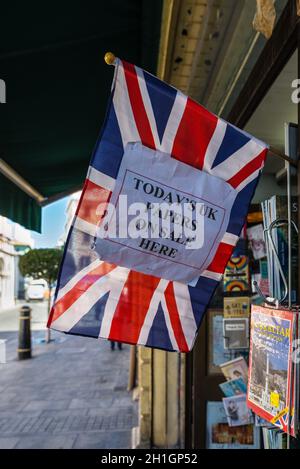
column 233, row 387
column 236, row 410
column 236, row 368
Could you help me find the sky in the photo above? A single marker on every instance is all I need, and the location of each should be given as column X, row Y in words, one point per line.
column 53, row 222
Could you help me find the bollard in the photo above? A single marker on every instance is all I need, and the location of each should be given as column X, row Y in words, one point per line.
column 24, row 350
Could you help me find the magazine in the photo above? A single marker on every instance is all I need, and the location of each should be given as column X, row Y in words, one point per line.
column 236, row 333
column 236, row 368
column 236, row 410
column 257, row 241
column 236, row 307
column 233, row 387
column 270, row 366
column 221, row 436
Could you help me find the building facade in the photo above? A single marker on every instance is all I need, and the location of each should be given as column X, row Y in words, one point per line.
column 14, row 241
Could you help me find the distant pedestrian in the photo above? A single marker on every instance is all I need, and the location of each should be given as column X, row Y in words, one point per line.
column 112, row 345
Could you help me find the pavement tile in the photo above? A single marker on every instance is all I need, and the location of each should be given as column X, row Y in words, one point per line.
column 104, row 440
column 90, row 403
column 41, row 405
column 46, row 442
column 8, row 442
column 72, row 394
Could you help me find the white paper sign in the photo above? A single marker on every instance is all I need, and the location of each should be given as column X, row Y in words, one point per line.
column 156, row 180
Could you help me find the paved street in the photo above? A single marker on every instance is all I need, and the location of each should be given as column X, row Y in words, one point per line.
column 71, row 394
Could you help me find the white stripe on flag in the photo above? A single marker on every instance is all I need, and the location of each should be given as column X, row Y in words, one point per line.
column 117, row 282
column 85, row 226
column 211, row 275
column 234, row 163
column 152, row 310
column 168, row 324
column 77, row 278
column 81, row 307
column 110, row 283
column 122, row 106
column 214, row 145
column 230, row 238
column 101, row 179
column 173, row 123
column 148, row 106
column 247, row 181
column 185, row 310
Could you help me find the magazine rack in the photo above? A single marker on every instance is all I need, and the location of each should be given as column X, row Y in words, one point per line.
column 276, row 303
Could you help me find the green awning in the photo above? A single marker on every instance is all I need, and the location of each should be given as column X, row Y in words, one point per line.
column 57, row 87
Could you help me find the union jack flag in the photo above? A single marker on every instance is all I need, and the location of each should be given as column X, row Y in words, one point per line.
column 97, row 299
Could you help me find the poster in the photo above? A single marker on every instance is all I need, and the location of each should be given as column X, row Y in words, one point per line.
column 270, row 366
column 236, row 275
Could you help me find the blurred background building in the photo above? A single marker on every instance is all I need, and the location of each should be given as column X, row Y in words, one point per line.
column 14, row 241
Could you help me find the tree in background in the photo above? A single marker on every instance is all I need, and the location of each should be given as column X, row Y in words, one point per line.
column 42, row 264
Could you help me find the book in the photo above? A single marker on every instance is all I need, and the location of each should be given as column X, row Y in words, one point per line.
column 236, row 368
column 236, row 333
column 236, row 410
column 257, row 241
column 236, row 275
column 233, row 387
column 219, row 435
column 271, row 387
column 236, row 307
column 273, row 438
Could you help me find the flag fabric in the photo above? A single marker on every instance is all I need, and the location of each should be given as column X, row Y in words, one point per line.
column 100, row 299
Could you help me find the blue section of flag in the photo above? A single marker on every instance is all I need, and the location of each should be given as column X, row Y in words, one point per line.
column 75, row 260
column 159, row 332
column 201, row 296
column 232, row 142
column 89, row 325
column 240, row 208
column 108, row 153
column 162, row 97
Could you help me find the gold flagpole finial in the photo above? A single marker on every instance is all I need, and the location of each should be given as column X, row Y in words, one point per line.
column 109, row 58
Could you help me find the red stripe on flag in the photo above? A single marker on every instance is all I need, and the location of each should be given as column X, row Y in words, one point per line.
column 195, row 131
column 80, row 287
column 175, row 318
column 137, row 105
column 93, row 203
column 221, row 258
column 248, row 169
column 132, row 307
